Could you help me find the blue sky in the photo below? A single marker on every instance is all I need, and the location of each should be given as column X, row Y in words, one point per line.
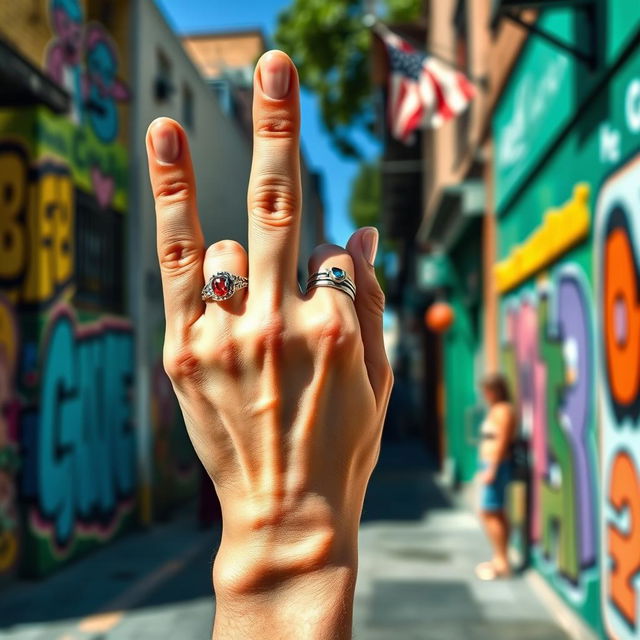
column 216, row 15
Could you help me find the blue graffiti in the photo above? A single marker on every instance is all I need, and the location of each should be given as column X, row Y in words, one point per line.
column 104, row 89
column 84, row 453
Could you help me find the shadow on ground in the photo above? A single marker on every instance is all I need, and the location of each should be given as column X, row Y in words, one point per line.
column 402, row 485
column 171, row 563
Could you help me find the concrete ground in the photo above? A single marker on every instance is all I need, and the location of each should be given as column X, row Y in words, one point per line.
column 415, row 581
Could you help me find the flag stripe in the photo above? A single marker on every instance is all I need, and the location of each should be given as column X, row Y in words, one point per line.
column 422, row 90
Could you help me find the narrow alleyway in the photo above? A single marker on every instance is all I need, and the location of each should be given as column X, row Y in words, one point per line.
column 415, row 581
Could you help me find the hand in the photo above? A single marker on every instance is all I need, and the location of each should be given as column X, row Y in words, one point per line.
column 488, row 475
column 283, row 395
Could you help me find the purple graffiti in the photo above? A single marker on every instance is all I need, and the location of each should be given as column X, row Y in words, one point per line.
column 575, row 330
column 64, row 54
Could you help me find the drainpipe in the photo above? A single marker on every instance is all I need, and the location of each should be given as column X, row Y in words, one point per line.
column 136, row 270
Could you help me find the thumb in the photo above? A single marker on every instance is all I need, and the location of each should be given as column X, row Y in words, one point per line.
column 363, row 246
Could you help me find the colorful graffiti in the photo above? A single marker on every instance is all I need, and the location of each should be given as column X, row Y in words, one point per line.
column 103, row 88
column 36, row 223
column 548, row 352
column 79, row 467
column 9, row 461
column 64, row 54
column 68, row 466
column 618, row 263
column 83, row 58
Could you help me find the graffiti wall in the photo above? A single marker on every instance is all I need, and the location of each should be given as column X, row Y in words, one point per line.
column 67, row 444
column 618, row 262
column 549, row 355
column 9, row 459
column 568, row 277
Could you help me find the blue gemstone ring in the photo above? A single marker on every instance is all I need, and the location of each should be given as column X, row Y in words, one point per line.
column 334, row 278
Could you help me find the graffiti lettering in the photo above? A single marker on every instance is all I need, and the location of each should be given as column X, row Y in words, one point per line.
column 84, row 451
column 36, row 225
column 548, row 344
column 621, row 319
column 617, row 244
column 624, row 546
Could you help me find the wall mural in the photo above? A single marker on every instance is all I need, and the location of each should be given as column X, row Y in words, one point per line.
column 549, row 356
column 618, row 262
column 84, row 60
column 9, row 460
column 67, row 445
column 79, row 449
column 73, row 379
column 37, row 223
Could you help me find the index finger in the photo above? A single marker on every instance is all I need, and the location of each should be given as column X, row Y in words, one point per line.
column 179, row 236
column 274, row 197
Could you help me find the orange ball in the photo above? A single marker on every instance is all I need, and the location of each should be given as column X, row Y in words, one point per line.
column 439, row 317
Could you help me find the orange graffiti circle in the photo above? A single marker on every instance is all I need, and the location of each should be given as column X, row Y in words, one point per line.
column 620, row 295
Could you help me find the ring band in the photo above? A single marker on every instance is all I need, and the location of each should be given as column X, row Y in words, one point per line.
column 334, row 278
column 222, row 285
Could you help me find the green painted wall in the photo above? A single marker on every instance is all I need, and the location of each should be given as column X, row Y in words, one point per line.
column 570, row 334
column 461, row 350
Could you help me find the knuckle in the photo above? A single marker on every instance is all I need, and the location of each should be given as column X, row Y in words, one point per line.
column 226, row 247
column 180, row 364
column 276, row 125
column 274, row 200
column 335, row 333
column 172, row 192
column 266, row 335
column 178, row 255
column 389, row 377
column 222, row 354
column 374, row 301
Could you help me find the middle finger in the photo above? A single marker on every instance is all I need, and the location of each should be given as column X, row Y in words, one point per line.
column 274, row 197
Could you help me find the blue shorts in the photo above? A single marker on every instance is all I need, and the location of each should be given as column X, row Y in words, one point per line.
column 492, row 497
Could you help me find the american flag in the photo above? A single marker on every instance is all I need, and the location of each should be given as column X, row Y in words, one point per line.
column 423, row 92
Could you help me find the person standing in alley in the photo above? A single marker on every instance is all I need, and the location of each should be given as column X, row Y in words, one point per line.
column 497, row 435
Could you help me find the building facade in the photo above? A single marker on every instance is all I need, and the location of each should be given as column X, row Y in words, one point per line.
column 566, row 175
column 542, row 276
column 67, row 442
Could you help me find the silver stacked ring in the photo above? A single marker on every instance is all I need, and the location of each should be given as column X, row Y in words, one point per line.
column 335, row 278
column 222, row 285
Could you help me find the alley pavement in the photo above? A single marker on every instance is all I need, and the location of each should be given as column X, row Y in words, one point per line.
column 415, row 581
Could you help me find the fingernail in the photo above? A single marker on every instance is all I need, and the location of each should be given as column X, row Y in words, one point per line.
column 166, row 143
column 275, row 75
column 370, row 239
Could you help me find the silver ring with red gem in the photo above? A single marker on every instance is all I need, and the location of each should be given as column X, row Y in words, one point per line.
column 334, row 278
column 222, row 285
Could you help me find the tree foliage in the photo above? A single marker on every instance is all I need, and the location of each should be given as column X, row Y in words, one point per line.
column 330, row 45
column 366, row 196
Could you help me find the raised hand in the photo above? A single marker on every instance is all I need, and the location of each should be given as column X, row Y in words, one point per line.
column 283, row 393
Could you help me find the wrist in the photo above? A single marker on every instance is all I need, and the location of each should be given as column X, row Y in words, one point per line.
column 298, row 586
column 267, row 542
column 316, row 605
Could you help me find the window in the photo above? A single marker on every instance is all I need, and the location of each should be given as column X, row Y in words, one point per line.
column 163, row 85
column 188, row 114
column 100, row 251
column 463, row 121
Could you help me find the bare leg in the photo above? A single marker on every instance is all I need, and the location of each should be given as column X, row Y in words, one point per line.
column 497, row 528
